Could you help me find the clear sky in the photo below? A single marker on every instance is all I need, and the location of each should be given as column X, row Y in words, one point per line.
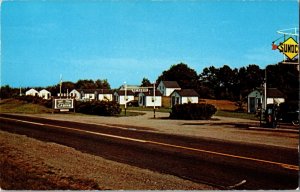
column 128, row 40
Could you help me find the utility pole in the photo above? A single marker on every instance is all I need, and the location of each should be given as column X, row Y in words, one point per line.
column 60, row 85
column 154, row 99
column 265, row 90
column 125, row 87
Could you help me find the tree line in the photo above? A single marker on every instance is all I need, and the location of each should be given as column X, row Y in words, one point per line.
column 212, row 83
column 234, row 84
column 7, row 91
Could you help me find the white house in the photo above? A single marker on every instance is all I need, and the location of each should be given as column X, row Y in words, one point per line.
column 45, row 94
column 184, row 96
column 147, row 99
column 32, row 92
column 105, row 95
column 120, row 96
column 75, row 94
column 256, row 98
column 167, row 87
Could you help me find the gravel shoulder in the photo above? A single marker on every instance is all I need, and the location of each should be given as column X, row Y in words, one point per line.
column 30, row 164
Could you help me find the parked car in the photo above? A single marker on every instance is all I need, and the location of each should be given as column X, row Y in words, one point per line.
column 133, row 103
column 289, row 113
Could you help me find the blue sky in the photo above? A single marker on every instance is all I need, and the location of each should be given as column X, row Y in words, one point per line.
column 128, row 40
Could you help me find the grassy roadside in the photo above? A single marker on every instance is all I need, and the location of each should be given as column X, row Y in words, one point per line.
column 17, row 106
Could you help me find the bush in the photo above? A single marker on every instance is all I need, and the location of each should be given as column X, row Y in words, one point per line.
column 193, row 111
column 104, row 108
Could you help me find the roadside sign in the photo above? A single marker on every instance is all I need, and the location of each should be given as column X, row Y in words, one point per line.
column 140, row 90
column 63, row 104
column 289, row 48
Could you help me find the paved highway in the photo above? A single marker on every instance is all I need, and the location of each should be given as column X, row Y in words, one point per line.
column 223, row 164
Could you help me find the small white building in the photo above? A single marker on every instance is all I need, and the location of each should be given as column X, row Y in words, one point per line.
column 184, row 96
column 147, row 99
column 32, row 92
column 75, row 94
column 167, row 87
column 256, row 98
column 274, row 96
column 45, row 94
column 88, row 94
column 92, row 94
column 119, row 96
column 105, row 95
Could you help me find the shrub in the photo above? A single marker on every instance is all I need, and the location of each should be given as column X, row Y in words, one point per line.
column 193, row 111
column 104, row 108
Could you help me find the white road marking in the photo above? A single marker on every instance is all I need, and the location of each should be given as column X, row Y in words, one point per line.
column 283, row 165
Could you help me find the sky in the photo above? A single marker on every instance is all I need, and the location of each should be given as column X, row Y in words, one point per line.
column 125, row 41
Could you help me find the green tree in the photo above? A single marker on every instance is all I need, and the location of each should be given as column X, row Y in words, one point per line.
column 183, row 74
column 102, row 84
column 85, row 84
column 209, row 82
column 67, row 85
column 146, row 82
column 227, row 79
column 284, row 77
column 8, row 92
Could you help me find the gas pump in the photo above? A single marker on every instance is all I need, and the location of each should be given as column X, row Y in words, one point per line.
column 271, row 115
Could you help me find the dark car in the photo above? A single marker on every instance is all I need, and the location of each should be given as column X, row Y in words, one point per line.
column 289, row 113
column 133, row 103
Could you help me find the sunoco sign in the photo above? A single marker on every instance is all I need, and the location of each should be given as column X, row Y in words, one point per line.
column 289, row 48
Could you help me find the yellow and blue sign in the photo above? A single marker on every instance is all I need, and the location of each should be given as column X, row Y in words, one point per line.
column 289, row 48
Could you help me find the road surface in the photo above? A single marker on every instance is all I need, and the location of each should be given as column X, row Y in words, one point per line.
column 222, row 164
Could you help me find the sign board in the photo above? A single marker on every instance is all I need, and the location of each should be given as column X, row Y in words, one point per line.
column 140, row 90
column 63, row 104
column 289, row 48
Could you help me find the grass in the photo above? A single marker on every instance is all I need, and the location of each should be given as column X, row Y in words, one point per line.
column 16, row 106
column 162, row 109
column 225, row 109
column 225, row 113
column 129, row 113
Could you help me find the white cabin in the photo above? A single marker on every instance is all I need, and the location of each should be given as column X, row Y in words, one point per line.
column 147, row 99
column 45, row 94
column 167, row 87
column 184, row 96
column 32, row 92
